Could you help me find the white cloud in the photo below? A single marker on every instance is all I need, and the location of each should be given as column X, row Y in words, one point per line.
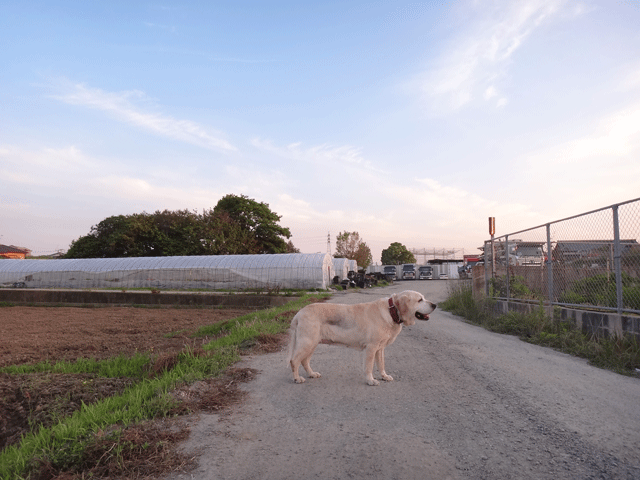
column 121, row 106
column 168, row 28
column 630, row 79
column 44, row 167
column 152, row 194
column 490, row 92
column 67, row 173
column 326, row 158
column 604, row 160
column 617, row 135
column 470, row 66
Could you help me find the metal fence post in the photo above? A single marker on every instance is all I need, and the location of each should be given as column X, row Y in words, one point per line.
column 507, row 260
column 616, row 258
column 486, row 270
column 549, row 266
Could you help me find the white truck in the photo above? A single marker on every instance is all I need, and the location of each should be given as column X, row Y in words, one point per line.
column 390, row 272
column 425, row 272
column 409, row 271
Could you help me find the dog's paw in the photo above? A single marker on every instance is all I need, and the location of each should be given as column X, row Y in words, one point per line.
column 373, row 382
column 314, row 375
column 299, row 380
column 387, row 378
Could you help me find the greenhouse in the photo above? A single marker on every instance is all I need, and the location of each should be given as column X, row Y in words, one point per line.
column 220, row 272
column 341, row 267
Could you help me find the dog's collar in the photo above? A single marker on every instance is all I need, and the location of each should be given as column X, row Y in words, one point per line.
column 393, row 311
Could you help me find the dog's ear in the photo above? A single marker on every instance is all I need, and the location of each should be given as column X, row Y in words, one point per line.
column 402, row 301
column 394, row 297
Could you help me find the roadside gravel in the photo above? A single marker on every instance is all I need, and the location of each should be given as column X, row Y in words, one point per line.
column 465, row 403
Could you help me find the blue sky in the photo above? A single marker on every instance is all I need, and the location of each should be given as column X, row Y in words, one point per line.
column 409, row 122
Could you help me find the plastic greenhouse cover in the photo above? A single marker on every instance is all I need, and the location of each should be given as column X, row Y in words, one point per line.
column 291, row 260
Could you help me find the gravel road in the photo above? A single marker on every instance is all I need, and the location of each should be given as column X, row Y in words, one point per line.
column 465, row 403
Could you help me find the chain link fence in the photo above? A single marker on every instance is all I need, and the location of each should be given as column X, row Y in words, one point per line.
column 591, row 261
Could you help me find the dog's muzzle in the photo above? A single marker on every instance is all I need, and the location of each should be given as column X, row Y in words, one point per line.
column 422, row 316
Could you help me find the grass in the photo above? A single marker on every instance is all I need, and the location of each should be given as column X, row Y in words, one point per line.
column 620, row 354
column 120, row 366
column 63, row 446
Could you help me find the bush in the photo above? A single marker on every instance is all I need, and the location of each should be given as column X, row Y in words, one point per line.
column 621, row 355
column 517, row 288
column 600, row 290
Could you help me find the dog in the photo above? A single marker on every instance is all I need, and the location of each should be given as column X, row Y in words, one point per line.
column 364, row 326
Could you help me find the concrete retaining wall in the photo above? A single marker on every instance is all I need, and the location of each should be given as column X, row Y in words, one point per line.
column 602, row 324
column 116, row 298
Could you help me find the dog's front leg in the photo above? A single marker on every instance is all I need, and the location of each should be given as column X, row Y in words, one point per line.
column 380, row 363
column 369, row 358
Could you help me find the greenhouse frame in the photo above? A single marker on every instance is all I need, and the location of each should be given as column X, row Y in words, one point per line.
column 219, row 272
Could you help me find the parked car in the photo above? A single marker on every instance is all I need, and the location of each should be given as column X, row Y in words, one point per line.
column 444, row 276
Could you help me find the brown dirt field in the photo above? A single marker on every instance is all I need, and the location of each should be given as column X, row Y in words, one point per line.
column 33, row 334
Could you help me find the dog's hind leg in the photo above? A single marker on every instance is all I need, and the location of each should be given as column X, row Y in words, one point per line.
column 302, row 355
column 307, row 367
column 295, row 365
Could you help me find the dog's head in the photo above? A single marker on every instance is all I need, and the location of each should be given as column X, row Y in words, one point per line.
column 412, row 305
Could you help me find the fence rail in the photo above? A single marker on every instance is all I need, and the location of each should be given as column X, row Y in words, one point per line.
column 591, row 260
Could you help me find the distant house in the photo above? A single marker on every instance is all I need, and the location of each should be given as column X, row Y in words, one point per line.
column 591, row 252
column 13, row 252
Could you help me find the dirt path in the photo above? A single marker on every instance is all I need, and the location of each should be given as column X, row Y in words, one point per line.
column 465, row 403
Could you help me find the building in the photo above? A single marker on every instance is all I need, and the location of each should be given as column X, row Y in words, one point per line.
column 13, row 252
column 590, row 252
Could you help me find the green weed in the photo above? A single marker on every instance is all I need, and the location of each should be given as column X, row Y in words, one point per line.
column 64, row 445
column 621, row 355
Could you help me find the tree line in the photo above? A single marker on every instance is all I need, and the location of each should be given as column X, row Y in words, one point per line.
column 237, row 225
column 350, row 245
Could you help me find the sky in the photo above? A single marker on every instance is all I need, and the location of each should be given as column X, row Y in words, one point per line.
column 408, row 122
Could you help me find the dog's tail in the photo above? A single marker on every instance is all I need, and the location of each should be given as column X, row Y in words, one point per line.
column 292, row 338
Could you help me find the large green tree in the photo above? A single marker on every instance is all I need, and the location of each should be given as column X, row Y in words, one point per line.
column 349, row 245
column 226, row 229
column 258, row 219
column 397, row 254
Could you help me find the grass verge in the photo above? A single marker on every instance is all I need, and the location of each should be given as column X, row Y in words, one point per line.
column 620, row 354
column 67, row 445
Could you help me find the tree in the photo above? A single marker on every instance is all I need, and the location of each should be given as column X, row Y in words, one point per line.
column 258, row 219
column 184, row 232
column 237, row 225
column 349, row 245
column 291, row 248
column 397, row 254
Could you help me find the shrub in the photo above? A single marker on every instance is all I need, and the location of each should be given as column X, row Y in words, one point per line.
column 621, row 355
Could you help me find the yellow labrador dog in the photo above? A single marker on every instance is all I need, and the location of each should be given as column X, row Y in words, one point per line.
column 365, row 326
